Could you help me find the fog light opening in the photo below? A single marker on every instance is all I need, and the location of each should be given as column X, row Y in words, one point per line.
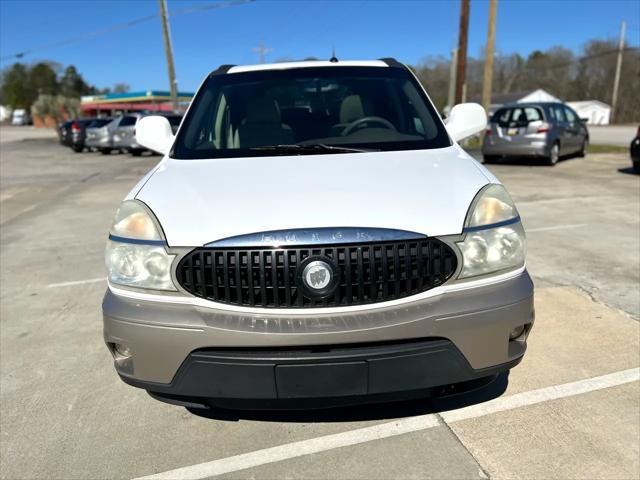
column 121, row 350
column 517, row 332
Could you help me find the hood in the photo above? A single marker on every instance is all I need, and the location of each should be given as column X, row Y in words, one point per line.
column 424, row 191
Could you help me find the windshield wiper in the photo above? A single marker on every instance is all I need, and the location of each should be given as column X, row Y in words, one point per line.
column 311, row 148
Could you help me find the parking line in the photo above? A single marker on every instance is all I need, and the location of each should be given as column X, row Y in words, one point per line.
column 77, row 282
column 556, row 227
column 391, row 429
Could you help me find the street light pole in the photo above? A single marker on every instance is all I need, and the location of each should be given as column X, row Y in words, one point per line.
column 168, row 49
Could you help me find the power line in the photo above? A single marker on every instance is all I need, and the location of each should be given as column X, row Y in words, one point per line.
column 122, row 26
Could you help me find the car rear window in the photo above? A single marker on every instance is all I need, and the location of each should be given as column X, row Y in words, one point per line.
column 101, row 122
column 510, row 116
column 128, row 121
column 501, row 117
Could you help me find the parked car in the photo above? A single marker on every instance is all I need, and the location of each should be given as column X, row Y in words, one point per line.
column 545, row 130
column 635, row 152
column 64, row 131
column 20, row 117
column 124, row 136
column 314, row 233
column 101, row 138
column 77, row 131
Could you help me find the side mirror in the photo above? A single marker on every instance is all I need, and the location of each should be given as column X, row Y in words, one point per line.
column 465, row 120
column 155, row 133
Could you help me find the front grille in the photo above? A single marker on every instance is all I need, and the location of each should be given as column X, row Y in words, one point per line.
column 269, row 277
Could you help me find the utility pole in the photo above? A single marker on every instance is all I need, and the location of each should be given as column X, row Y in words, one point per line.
column 487, row 85
column 616, row 82
column 262, row 50
column 451, row 99
column 462, row 49
column 168, row 49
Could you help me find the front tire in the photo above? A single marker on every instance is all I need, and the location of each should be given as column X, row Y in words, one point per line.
column 105, row 151
column 554, row 154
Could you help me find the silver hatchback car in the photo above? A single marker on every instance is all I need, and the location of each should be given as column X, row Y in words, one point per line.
column 545, row 130
column 124, row 136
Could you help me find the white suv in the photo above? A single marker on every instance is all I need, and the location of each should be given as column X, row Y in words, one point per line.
column 314, row 235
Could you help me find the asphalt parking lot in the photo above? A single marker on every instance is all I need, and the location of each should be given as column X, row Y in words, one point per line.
column 570, row 410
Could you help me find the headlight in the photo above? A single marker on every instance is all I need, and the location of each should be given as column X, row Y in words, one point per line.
column 494, row 238
column 135, row 254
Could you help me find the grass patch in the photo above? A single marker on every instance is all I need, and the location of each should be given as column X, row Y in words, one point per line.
column 606, row 149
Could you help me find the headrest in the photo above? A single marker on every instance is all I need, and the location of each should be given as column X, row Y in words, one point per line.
column 352, row 108
column 262, row 110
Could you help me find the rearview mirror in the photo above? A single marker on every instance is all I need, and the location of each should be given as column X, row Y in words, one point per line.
column 465, row 120
column 154, row 132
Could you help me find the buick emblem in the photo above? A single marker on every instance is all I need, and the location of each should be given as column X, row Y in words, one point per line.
column 317, row 275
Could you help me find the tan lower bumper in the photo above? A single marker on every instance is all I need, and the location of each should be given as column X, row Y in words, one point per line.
column 478, row 321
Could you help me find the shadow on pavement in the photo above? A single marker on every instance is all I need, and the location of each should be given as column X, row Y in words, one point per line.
column 470, row 394
column 628, row 171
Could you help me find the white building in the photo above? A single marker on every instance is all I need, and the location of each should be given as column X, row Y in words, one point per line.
column 595, row 111
column 500, row 99
column 5, row 113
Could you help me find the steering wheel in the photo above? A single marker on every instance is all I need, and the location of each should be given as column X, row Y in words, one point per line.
column 359, row 122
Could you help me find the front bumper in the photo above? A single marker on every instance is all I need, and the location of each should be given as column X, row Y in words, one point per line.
column 188, row 351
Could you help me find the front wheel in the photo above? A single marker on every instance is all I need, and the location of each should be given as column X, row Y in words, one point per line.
column 554, row 154
column 105, row 151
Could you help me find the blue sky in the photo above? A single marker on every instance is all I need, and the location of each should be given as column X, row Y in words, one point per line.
column 407, row 30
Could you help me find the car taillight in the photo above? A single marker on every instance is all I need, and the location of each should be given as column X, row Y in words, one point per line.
column 75, row 127
column 488, row 131
column 545, row 127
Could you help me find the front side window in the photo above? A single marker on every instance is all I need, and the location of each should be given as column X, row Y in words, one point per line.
column 571, row 117
column 251, row 113
column 559, row 111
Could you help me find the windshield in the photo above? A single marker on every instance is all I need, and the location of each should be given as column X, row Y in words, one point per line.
column 174, row 120
column 366, row 108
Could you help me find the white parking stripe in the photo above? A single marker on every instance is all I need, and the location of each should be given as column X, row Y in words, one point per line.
column 77, row 282
column 542, row 395
column 298, row 449
column 556, row 227
column 392, row 429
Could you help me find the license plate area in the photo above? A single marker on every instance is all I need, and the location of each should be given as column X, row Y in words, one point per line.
column 322, row 380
